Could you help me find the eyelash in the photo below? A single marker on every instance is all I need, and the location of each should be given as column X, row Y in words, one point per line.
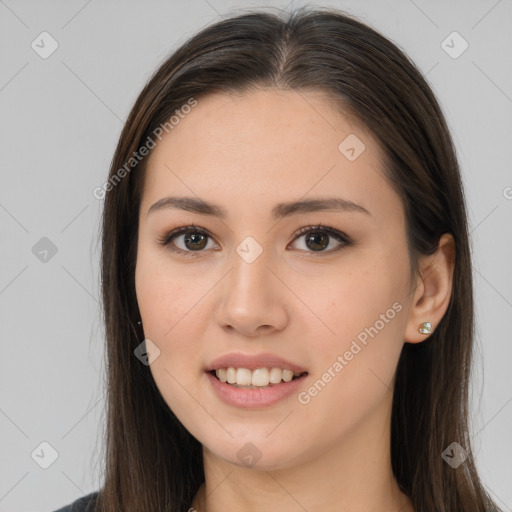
column 318, row 228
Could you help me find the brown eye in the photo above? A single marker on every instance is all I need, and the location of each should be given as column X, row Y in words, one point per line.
column 196, row 241
column 318, row 238
column 317, row 241
column 193, row 243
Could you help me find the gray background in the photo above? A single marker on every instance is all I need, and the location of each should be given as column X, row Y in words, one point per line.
column 60, row 120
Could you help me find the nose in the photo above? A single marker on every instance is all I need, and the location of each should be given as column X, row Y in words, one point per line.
column 253, row 299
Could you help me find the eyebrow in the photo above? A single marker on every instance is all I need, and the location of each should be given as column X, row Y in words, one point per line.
column 281, row 210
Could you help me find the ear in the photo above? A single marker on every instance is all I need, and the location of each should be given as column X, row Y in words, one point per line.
column 433, row 289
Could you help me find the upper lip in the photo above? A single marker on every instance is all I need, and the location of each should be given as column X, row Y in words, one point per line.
column 252, row 362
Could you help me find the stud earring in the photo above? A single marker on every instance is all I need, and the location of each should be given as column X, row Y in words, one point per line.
column 425, row 328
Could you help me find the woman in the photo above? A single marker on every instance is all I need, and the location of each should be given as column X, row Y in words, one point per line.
column 287, row 281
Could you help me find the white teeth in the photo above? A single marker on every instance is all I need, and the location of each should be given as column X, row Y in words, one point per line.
column 243, row 377
column 287, row 375
column 276, row 374
column 261, row 377
column 231, row 375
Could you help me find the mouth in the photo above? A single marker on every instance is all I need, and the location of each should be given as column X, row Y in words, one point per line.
column 260, row 378
column 260, row 388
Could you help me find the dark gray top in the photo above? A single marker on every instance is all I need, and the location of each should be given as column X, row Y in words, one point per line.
column 83, row 504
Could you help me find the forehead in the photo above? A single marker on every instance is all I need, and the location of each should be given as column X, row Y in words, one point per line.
column 278, row 144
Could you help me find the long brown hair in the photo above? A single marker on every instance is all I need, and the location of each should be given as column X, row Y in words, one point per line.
column 152, row 463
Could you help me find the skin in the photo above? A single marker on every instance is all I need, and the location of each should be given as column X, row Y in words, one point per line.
column 247, row 153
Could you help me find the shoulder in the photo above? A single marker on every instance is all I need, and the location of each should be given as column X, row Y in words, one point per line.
column 83, row 504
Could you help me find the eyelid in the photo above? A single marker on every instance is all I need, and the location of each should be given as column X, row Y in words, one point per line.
column 340, row 236
column 167, row 238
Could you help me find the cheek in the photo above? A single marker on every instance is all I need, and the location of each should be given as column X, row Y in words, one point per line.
column 165, row 304
column 363, row 319
column 164, row 295
column 170, row 307
column 345, row 302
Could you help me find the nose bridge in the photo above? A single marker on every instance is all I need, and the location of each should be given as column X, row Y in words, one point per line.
column 250, row 275
column 252, row 296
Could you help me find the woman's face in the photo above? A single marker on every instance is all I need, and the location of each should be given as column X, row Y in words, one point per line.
column 248, row 284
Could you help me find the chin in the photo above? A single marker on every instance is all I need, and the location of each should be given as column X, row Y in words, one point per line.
column 255, row 452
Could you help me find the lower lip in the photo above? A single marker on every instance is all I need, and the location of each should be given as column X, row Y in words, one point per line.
column 240, row 397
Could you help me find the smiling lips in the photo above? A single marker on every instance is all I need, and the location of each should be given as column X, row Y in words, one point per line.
column 249, row 381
